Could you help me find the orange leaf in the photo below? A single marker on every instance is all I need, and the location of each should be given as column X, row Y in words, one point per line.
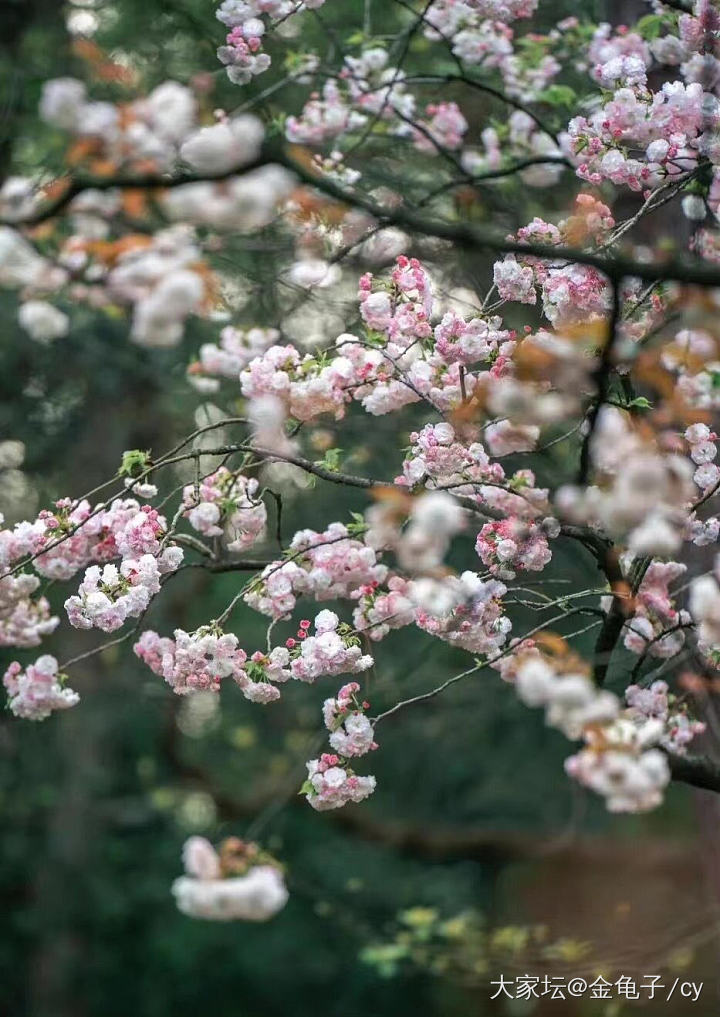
column 134, row 203
column 82, row 150
column 552, row 643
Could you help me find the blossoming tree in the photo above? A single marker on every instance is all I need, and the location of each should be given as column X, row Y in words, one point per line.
column 566, row 397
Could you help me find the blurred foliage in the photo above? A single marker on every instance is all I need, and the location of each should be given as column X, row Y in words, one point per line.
column 463, row 947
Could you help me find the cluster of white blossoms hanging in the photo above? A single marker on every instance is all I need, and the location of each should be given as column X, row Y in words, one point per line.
column 238, row 881
column 162, row 278
column 621, row 759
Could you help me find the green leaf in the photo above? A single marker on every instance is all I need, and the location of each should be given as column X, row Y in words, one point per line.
column 558, row 95
column 650, row 26
column 134, row 463
column 331, row 460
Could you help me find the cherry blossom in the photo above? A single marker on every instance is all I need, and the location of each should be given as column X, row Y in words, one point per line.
column 193, row 661
column 37, row 690
column 211, row 890
column 226, row 505
column 326, row 566
column 331, row 785
column 24, row 621
column 471, row 617
column 512, row 545
column 108, row 596
column 333, row 649
column 351, row 732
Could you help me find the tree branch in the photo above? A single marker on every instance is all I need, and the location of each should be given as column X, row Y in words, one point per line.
column 464, row 235
column 601, row 379
column 698, row 771
column 76, row 185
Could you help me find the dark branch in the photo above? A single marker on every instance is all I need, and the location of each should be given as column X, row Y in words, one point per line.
column 698, row 771
column 614, row 620
column 74, row 185
column 684, row 6
column 464, row 235
column 601, row 380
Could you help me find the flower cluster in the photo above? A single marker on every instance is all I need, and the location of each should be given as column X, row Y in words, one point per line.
column 240, row 882
column 622, row 764
column 61, row 542
column 386, row 379
column 226, row 504
column 200, row 660
column 242, row 54
column 645, row 491
column 444, row 128
column 228, row 144
column 463, row 611
column 241, row 203
column 324, row 117
column 705, row 611
column 23, row 621
column 657, row 703
column 69, row 537
column 434, row 519
column 262, row 672
column 307, row 386
column 401, row 362
column 42, row 321
column 193, row 661
column 374, row 88
column 570, row 294
column 226, row 359
column 620, row 760
column 351, row 732
column 140, row 533
column 379, row 610
column 470, row 342
column 159, row 281
column 330, row 784
column 657, row 626
column 571, row 700
column 327, row 566
column 666, row 126
column 111, row 594
column 37, row 690
column 151, row 128
column 692, row 359
column 161, row 277
column 334, row 649
column 640, row 137
column 512, row 545
column 437, row 458
column 703, row 451
column 401, row 311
